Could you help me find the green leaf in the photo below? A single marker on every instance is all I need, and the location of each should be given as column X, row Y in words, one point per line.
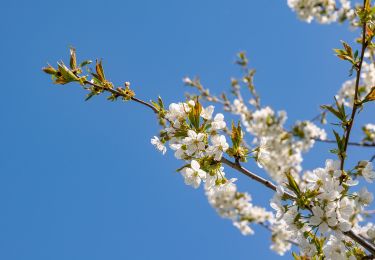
column 84, row 63
column 332, row 110
column 292, row 183
column 90, row 95
column 338, row 140
column 182, row 167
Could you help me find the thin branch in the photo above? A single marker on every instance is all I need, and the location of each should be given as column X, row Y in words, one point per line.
column 118, row 93
column 363, row 242
column 372, row 158
column 349, row 143
column 355, row 100
column 370, row 247
column 237, row 166
column 145, row 103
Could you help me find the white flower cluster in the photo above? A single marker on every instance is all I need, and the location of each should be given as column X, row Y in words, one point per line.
column 323, row 11
column 281, row 242
column 189, row 142
column 336, row 249
column 194, row 134
column 309, row 132
column 279, row 151
column 365, row 169
column 236, row 206
column 330, row 210
column 346, row 93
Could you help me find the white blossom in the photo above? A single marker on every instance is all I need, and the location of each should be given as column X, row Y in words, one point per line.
column 158, row 144
column 218, row 123
column 207, row 112
column 194, row 142
column 194, row 175
column 365, row 168
column 365, row 197
column 323, row 219
column 219, row 145
column 334, row 249
column 263, row 155
column 307, row 248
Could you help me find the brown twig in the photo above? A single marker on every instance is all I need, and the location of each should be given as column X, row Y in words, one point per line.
column 355, row 101
column 349, row 143
column 237, row 166
column 118, row 93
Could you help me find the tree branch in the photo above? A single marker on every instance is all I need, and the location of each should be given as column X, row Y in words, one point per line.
column 349, row 143
column 237, row 166
column 370, row 247
column 355, row 100
column 363, row 242
column 118, row 93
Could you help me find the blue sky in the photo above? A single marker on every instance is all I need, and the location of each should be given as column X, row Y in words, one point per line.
column 80, row 180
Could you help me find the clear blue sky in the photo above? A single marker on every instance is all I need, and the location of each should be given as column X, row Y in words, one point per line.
column 80, row 180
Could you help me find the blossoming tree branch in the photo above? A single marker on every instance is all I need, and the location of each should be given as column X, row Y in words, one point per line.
column 321, row 212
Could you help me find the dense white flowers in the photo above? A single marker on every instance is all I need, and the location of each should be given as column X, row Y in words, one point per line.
column 280, row 237
column 194, row 134
column 267, row 128
column 314, row 209
column 308, row 132
column 334, row 249
column 236, row 206
column 278, row 150
column 331, row 209
column 323, row 205
column 346, row 93
column 323, row 11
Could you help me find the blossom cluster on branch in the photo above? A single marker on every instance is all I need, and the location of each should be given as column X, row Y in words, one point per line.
column 321, row 211
column 323, row 11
